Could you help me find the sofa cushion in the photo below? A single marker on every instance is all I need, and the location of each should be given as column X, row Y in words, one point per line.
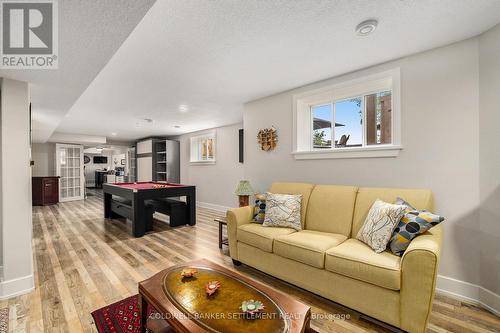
column 283, row 210
column 260, row 208
column 330, row 209
column 414, row 222
column 307, row 246
column 379, row 225
column 357, row 260
column 295, row 188
column 421, row 199
column 256, row 235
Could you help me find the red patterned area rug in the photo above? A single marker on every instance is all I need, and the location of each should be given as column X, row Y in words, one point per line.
column 120, row 317
column 123, row 317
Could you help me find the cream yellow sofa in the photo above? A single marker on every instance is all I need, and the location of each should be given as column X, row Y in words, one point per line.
column 326, row 259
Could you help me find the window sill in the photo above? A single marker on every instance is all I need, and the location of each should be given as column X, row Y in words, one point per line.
column 201, row 162
column 361, row 152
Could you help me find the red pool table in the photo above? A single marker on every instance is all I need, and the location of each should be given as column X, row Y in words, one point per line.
column 138, row 192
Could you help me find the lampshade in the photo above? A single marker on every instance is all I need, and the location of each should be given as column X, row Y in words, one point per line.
column 244, row 188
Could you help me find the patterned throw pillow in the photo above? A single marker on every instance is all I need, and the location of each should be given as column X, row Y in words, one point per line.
column 379, row 224
column 413, row 223
column 260, row 208
column 283, row 210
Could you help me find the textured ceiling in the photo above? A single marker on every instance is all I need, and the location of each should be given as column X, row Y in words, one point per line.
column 90, row 32
column 215, row 55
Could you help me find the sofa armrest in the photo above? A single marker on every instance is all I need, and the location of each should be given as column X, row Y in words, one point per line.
column 419, row 266
column 236, row 217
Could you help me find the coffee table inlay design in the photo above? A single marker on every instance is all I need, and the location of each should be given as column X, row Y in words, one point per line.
column 220, row 312
column 186, row 306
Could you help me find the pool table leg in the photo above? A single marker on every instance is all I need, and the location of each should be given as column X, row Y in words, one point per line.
column 191, row 206
column 139, row 223
column 107, row 205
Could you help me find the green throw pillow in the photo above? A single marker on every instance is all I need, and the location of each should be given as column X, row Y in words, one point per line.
column 413, row 223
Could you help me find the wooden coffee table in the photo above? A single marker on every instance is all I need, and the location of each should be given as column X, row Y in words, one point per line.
column 185, row 306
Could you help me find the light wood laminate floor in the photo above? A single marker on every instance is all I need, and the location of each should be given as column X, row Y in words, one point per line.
column 83, row 262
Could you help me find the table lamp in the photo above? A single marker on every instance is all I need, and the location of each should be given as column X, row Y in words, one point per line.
column 243, row 191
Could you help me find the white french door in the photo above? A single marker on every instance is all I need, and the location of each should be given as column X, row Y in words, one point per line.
column 69, row 162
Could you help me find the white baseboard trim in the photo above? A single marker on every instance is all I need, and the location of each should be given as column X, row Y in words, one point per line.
column 489, row 300
column 211, row 206
column 469, row 292
column 460, row 289
column 16, row 287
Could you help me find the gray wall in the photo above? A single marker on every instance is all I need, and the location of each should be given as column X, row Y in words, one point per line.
column 440, row 117
column 215, row 183
column 489, row 150
column 44, row 157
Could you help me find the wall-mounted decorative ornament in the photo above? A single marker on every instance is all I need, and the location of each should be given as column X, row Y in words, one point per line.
column 267, row 138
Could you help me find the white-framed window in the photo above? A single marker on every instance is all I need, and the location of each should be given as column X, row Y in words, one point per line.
column 356, row 118
column 202, row 148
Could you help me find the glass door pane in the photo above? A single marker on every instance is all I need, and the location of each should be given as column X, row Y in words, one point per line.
column 69, row 169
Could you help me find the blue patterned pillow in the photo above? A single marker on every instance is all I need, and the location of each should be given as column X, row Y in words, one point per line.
column 260, row 208
column 413, row 223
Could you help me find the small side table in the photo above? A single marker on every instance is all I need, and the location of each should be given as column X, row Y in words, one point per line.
column 222, row 222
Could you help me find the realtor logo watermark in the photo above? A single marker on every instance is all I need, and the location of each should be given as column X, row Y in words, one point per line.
column 29, row 34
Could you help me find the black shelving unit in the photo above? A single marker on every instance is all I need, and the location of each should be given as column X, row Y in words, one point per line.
column 160, row 160
column 164, row 156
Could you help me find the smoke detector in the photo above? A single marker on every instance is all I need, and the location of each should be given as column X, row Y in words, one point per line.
column 366, row 27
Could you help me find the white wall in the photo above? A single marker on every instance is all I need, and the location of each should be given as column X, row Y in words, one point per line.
column 215, row 183
column 440, row 118
column 489, row 138
column 44, row 157
column 15, row 190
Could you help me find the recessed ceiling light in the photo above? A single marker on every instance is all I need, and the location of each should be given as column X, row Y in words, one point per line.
column 113, row 134
column 144, row 122
column 366, row 27
column 183, row 108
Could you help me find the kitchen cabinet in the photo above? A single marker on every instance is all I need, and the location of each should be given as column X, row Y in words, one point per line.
column 110, row 179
